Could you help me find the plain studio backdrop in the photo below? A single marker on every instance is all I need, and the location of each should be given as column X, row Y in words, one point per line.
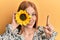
column 44, row 7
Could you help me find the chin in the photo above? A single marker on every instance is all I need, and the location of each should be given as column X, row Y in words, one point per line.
column 30, row 27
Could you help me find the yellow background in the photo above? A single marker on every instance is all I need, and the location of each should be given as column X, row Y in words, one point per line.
column 44, row 7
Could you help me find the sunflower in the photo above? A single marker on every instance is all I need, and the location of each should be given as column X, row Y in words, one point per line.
column 22, row 17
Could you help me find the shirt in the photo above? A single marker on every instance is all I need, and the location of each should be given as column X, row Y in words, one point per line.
column 39, row 35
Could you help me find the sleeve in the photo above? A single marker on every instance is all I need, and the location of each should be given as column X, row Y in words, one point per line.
column 53, row 36
column 8, row 34
column 43, row 35
column 9, row 29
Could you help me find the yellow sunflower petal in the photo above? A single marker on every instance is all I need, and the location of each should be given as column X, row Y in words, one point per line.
column 20, row 21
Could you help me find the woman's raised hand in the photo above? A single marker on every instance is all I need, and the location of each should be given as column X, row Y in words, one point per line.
column 48, row 29
column 14, row 23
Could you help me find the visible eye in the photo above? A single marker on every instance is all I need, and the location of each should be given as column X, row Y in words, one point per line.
column 33, row 14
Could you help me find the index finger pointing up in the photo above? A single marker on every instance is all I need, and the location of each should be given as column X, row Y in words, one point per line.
column 47, row 21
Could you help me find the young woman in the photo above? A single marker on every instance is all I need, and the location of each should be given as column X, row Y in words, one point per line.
column 31, row 31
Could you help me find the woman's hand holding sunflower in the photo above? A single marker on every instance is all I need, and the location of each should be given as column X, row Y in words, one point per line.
column 14, row 23
column 20, row 18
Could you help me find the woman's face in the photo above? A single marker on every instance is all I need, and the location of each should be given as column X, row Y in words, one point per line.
column 32, row 13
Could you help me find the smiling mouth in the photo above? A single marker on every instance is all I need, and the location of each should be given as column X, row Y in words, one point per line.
column 30, row 23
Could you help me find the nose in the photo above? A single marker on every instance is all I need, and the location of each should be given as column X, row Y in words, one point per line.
column 31, row 19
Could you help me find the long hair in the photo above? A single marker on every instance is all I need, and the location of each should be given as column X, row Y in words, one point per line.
column 23, row 6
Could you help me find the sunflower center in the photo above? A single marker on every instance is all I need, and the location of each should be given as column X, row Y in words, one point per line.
column 23, row 17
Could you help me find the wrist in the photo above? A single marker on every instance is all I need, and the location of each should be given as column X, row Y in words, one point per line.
column 13, row 27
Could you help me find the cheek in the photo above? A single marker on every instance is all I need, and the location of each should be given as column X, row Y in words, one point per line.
column 34, row 18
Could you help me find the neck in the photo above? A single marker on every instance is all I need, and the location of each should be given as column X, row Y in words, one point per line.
column 28, row 31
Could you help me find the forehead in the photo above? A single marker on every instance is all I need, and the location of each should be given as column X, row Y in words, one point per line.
column 30, row 10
